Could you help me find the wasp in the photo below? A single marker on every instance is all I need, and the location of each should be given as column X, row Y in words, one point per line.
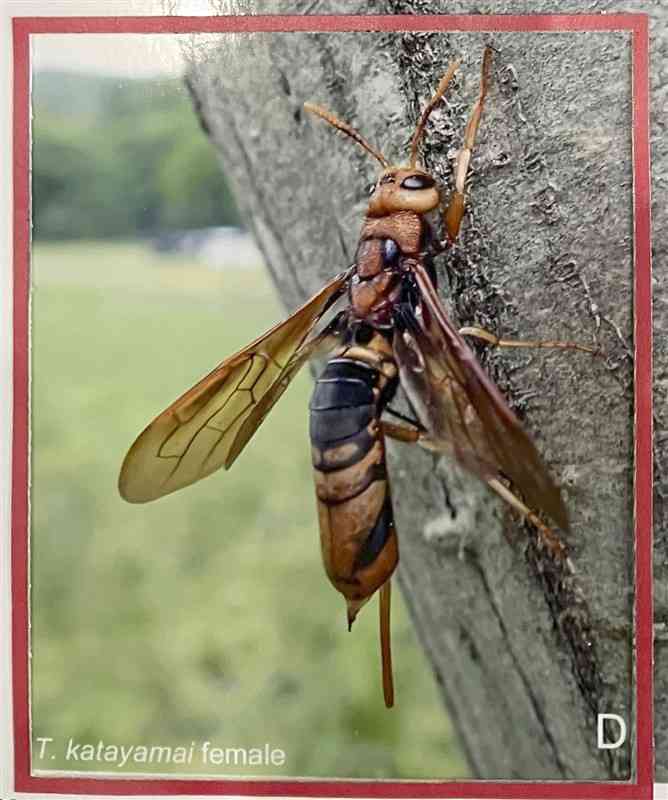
column 391, row 331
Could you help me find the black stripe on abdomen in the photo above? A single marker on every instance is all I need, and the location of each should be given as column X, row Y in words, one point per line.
column 358, row 539
column 378, row 536
column 342, row 405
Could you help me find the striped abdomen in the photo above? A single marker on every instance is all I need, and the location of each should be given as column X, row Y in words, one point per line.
column 358, row 539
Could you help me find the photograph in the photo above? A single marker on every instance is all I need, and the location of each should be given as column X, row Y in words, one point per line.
column 333, row 406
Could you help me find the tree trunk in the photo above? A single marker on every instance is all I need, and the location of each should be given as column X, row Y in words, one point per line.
column 659, row 141
column 526, row 655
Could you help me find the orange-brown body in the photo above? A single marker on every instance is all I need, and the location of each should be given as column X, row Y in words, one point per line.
column 358, row 539
column 394, row 328
column 357, row 535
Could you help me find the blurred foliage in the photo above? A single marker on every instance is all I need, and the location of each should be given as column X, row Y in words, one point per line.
column 207, row 614
column 114, row 157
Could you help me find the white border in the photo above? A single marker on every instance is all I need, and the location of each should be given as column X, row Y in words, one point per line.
column 6, row 749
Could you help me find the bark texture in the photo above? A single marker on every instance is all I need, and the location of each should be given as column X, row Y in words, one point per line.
column 526, row 655
column 659, row 144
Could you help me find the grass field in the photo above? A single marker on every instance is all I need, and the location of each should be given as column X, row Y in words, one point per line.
column 205, row 615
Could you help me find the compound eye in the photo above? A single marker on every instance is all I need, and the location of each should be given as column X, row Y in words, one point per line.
column 390, row 252
column 418, row 182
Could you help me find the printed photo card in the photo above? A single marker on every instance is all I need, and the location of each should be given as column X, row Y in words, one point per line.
column 331, row 406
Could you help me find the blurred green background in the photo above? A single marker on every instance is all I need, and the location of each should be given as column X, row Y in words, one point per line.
column 205, row 615
column 116, row 158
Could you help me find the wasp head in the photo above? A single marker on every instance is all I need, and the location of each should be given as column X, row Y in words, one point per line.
column 403, row 189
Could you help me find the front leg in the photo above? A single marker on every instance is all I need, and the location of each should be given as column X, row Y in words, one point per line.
column 454, row 211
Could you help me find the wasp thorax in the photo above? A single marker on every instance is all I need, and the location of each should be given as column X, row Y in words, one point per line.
column 403, row 189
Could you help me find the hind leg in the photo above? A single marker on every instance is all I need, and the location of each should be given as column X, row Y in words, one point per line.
column 550, row 538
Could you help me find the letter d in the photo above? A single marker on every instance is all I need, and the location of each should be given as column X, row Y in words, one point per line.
column 602, row 744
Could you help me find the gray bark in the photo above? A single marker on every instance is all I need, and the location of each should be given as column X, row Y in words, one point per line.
column 525, row 654
column 659, row 144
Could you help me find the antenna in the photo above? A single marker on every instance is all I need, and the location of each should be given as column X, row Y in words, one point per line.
column 347, row 129
column 431, row 105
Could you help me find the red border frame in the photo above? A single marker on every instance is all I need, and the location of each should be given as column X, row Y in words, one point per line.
column 635, row 23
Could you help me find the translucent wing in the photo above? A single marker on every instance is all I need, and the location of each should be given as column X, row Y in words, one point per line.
column 208, row 426
column 461, row 408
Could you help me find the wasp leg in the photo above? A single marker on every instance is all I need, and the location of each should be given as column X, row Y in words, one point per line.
column 401, row 433
column 480, row 333
column 418, row 435
column 413, row 422
column 454, row 211
column 550, row 538
column 385, row 642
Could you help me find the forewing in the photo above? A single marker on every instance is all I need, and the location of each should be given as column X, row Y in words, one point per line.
column 461, row 408
column 208, row 426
